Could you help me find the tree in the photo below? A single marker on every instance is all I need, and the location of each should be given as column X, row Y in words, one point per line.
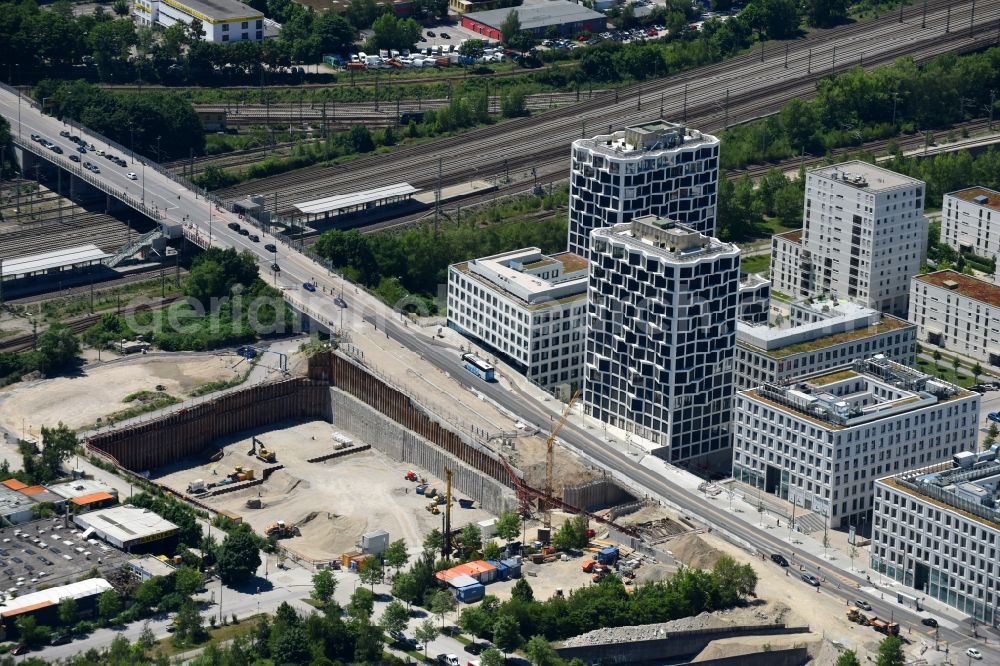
column 187, row 580
column 513, row 102
column 292, row 646
column 508, row 525
column 147, row 638
column 955, row 365
column 442, row 603
column 396, row 555
column 362, row 13
column 394, row 617
column 68, row 612
column 977, row 371
column 847, row 658
column 474, row 620
column 425, row 633
column 362, row 604
column 473, row 48
column 239, row 555
column 58, row 444
column 511, row 27
column 189, row 623
column 491, row 551
column 492, row 657
column 29, row 631
column 540, row 652
column 734, row 580
column 405, row 586
column 109, row 604
column 890, row 652
column 471, row 538
column 370, row 571
column 57, row 348
column 394, row 33
column 324, row 585
column 826, row 13
column 507, row 634
column 522, row 591
column 937, row 358
column 148, row 594
column 434, row 542
column 572, row 535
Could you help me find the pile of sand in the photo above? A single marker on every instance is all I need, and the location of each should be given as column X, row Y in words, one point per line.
column 693, row 551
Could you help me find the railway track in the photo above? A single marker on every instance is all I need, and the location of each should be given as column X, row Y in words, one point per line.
column 78, row 325
column 138, row 276
column 754, row 89
column 386, row 77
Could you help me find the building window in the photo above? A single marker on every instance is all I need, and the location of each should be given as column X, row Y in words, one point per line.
column 260, row 24
column 225, row 27
column 225, row 38
column 245, row 25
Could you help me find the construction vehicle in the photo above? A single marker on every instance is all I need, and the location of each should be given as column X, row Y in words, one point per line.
column 240, row 474
column 550, row 457
column 433, row 508
column 411, row 476
column 883, row 627
column 266, row 455
column 600, row 571
column 855, row 615
column 280, row 530
column 254, row 503
column 430, row 492
column 197, row 486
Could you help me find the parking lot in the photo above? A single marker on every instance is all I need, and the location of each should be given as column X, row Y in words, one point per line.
column 989, row 404
column 46, row 552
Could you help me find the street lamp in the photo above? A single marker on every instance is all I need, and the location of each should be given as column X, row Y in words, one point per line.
column 157, row 149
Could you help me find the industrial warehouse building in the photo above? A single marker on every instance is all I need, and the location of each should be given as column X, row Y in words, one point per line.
column 127, row 527
column 222, row 21
column 44, row 604
column 566, row 18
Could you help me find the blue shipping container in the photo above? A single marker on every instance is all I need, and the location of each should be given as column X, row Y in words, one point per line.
column 607, row 555
column 470, row 593
column 513, row 568
column 502, row 572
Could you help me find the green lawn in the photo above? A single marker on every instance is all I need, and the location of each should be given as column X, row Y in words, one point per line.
column 944, row 371
column 758, row 264
column 216, row 636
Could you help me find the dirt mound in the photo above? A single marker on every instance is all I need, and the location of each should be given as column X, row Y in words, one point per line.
column 693, row 551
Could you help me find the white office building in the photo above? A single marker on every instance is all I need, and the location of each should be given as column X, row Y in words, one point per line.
column 937, row 531
column 970, row 222
column 822, row 441
column 864, row 236
column 959, row 313
column 526, row 307
column 818, row 334
column 222, row 21
column 659, row 168
column 661, row 332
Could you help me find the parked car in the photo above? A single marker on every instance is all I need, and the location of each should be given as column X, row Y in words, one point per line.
column 21, row 649
column 861, row 603
column 448, row 660
column 340, row 302
column 244, row 232
column 276, row 268
column 64, row 133
column 270, row 247
column 74, row 158
column 994, row 416
column 974, row 653
column 82, row 150
column 779, row 559
column 929, row 622
column 430, row 33
column 811, row 579
column 62, row 639
column 57, row 150
column 234, row 226
column 254, row 238
column 309, row 286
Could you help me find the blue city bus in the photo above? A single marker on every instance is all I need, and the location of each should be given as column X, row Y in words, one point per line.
column 478, row 367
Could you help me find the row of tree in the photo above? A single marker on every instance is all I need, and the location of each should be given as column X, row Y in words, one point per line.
column 859, row 106
column 159, row 125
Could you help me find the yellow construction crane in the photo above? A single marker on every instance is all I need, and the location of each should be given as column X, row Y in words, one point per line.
column 550, row 455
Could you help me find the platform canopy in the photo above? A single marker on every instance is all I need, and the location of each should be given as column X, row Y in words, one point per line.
column 36, row 263
column 353, row 199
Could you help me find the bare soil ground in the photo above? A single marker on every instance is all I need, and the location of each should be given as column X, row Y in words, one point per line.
column 333, row 502
column 79, row 400
column 529, row 456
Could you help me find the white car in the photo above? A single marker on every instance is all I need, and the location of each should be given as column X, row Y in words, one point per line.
column 131, row 175
column 974, row 653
